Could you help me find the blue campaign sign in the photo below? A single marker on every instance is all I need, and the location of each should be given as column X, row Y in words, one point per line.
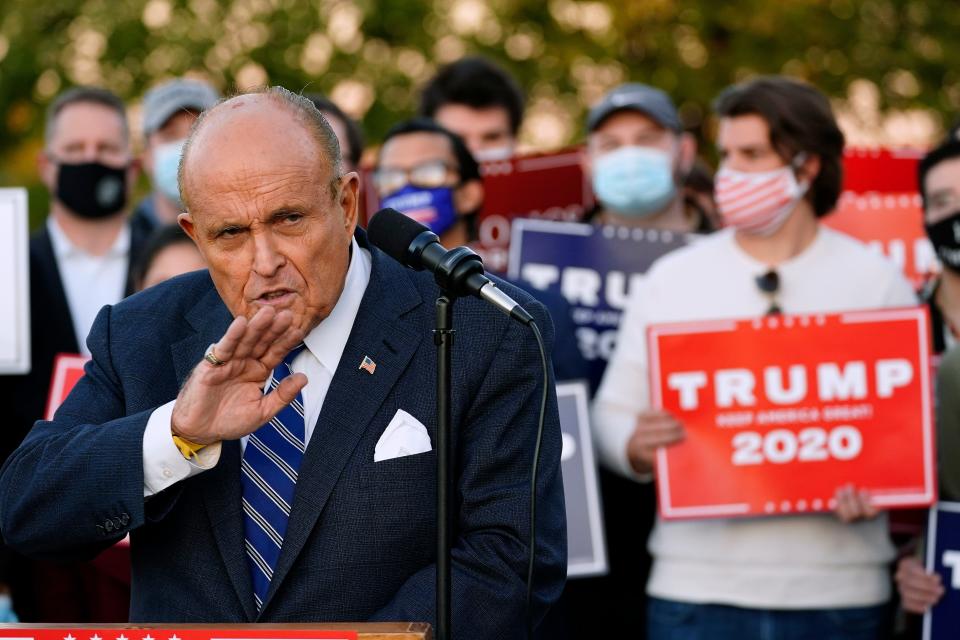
column 943, row 556
column 594, row 267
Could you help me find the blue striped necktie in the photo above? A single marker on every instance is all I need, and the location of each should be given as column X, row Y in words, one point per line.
column 271, row 461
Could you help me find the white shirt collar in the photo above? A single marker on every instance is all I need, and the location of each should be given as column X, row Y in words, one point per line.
column 328, row 339
column 64, row 248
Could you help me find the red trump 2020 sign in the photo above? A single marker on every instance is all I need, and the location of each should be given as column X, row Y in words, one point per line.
column 781, row 411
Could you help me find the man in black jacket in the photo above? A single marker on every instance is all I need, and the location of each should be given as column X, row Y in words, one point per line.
column 79, row 261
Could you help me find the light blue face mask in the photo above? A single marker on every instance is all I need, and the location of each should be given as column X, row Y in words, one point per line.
column 634, row 181
column 166, row 161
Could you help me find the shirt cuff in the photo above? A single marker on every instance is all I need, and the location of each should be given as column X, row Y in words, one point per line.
column 163, row 464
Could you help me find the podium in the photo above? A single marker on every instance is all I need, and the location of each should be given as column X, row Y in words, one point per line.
column 299, row 631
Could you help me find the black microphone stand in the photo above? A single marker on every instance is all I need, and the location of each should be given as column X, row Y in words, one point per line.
column 456, row 266
column 443, row 338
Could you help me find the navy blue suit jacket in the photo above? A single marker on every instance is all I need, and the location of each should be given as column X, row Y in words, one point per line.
column 360, row 541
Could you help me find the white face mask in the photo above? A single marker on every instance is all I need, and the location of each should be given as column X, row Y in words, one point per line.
column 758, row 203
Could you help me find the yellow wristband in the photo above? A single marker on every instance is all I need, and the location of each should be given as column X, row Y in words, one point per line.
column 187, row 449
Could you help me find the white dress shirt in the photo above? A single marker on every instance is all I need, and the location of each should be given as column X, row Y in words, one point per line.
column 164, row 465
column 90, row 282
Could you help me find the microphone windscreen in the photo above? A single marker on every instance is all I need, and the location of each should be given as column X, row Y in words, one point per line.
column 393, row 233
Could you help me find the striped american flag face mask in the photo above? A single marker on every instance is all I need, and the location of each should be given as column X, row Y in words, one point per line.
column 758, row 202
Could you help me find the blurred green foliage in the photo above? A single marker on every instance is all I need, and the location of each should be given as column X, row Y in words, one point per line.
column 372, row 56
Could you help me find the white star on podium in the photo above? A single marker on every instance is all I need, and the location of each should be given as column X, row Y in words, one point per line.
column 174, row 637
column 148, row 637
column 95, row 637
column 69, row 636
column 121, row 637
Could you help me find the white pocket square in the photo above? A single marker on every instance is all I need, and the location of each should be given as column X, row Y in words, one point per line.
column 404, row 436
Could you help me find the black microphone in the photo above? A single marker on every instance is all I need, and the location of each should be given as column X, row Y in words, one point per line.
column 458, row 271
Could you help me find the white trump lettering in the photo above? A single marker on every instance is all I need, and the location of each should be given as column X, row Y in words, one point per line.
column 892, row 374
column 951, row 559
column 688, row 384
column 734, row 384
column 773, row 383
column 834, row 384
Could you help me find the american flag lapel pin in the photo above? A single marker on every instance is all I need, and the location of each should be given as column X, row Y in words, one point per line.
column 368, row 365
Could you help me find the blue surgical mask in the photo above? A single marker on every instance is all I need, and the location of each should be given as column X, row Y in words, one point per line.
column 166, row 162
column 634, row 181
column 431, row 207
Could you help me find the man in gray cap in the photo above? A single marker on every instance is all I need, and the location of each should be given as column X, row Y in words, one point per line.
column 169, row 110
column 638, row 156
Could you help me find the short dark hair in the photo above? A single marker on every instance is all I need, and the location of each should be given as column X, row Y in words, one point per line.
column 466, row 163
column 477, row 83
column 84, row 95
column 354, row 134
column 948, row 149
column 800, row 119
column 161, row 238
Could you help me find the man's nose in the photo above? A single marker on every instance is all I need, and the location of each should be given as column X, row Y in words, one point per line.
column 267, row 258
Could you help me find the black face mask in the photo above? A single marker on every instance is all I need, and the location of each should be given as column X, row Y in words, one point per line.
column 92, row 190
column 945, row 236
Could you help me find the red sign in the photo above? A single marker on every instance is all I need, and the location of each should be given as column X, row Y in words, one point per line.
column 65, row 632
column 881, row 170
column 547, row 186
column 775, row 426
column 67, row 370
column 892, row 224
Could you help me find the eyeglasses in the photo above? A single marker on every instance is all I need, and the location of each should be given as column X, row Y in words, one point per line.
column 428, row 175
column 769, row 285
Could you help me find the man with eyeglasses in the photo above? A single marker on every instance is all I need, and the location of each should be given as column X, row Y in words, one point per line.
column 80, row 260
column 428, row 173
column 818, row 576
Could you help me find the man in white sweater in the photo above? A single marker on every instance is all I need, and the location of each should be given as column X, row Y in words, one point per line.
column 820, row 576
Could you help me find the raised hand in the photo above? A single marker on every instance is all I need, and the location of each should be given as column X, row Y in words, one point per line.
column 226, row 402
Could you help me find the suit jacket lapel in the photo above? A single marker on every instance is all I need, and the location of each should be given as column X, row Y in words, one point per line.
column 352, row 399
column 220, row 485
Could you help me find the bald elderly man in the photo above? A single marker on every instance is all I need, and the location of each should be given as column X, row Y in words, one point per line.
column 264, row 432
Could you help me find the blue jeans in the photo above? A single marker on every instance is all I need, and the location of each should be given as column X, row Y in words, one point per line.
column 672, row 620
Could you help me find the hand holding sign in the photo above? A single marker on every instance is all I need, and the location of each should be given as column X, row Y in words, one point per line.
column 919, row 590
column 655, row 429
column 853, row 504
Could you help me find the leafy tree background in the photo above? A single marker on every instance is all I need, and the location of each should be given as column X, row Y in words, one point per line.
column 885, row 62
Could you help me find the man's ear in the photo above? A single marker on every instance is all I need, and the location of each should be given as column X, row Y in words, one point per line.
column 809, row 169
column 468, row 197
column 185, row 220
column 686, row 153
column 586, row 162
column 47, row 170
column 350, row 201
column 133, row 172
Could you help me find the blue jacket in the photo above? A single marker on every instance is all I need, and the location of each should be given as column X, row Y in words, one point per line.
column 360, row 541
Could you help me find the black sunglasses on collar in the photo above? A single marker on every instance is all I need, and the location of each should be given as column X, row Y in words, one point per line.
column 769, row 285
